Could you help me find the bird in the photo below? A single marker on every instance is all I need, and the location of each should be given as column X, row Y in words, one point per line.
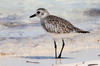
column 56, row 26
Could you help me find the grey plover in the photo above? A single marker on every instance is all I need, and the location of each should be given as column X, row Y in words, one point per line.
column 55, row 25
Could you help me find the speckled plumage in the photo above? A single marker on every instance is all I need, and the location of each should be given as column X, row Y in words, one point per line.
column 54, row 24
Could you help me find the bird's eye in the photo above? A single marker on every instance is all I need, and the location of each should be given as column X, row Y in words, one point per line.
column 38, row 12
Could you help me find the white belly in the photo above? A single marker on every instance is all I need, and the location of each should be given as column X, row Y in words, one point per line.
column 66, row 35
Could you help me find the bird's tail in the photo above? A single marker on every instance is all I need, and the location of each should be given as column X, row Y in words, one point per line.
column 80, row 31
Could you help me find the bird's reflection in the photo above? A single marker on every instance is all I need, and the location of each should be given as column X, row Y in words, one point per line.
column 57, row 62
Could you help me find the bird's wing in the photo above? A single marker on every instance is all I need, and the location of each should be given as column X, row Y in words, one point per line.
column 56, row 24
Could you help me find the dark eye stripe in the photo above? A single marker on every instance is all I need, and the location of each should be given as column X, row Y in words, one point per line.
column 38, row 12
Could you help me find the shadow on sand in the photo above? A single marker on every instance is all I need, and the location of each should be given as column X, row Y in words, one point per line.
column 43, row 57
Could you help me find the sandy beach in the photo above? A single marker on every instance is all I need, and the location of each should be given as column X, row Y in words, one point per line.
column 23, row 42
column 76, row 58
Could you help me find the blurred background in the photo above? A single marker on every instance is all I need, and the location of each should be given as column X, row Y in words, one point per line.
column 76, row 11
column 72, row 10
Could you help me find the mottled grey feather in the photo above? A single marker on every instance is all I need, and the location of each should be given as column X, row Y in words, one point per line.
column 54, row 24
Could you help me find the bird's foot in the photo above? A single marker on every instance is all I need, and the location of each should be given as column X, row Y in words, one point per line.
column 58, row 57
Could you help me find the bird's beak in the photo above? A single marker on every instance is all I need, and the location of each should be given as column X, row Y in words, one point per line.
column 32, row 16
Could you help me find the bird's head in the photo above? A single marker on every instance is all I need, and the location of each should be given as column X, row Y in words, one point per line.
column 41, row 13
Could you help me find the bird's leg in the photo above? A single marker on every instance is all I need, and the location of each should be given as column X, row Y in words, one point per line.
column 55, row 46
column 61, row 48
